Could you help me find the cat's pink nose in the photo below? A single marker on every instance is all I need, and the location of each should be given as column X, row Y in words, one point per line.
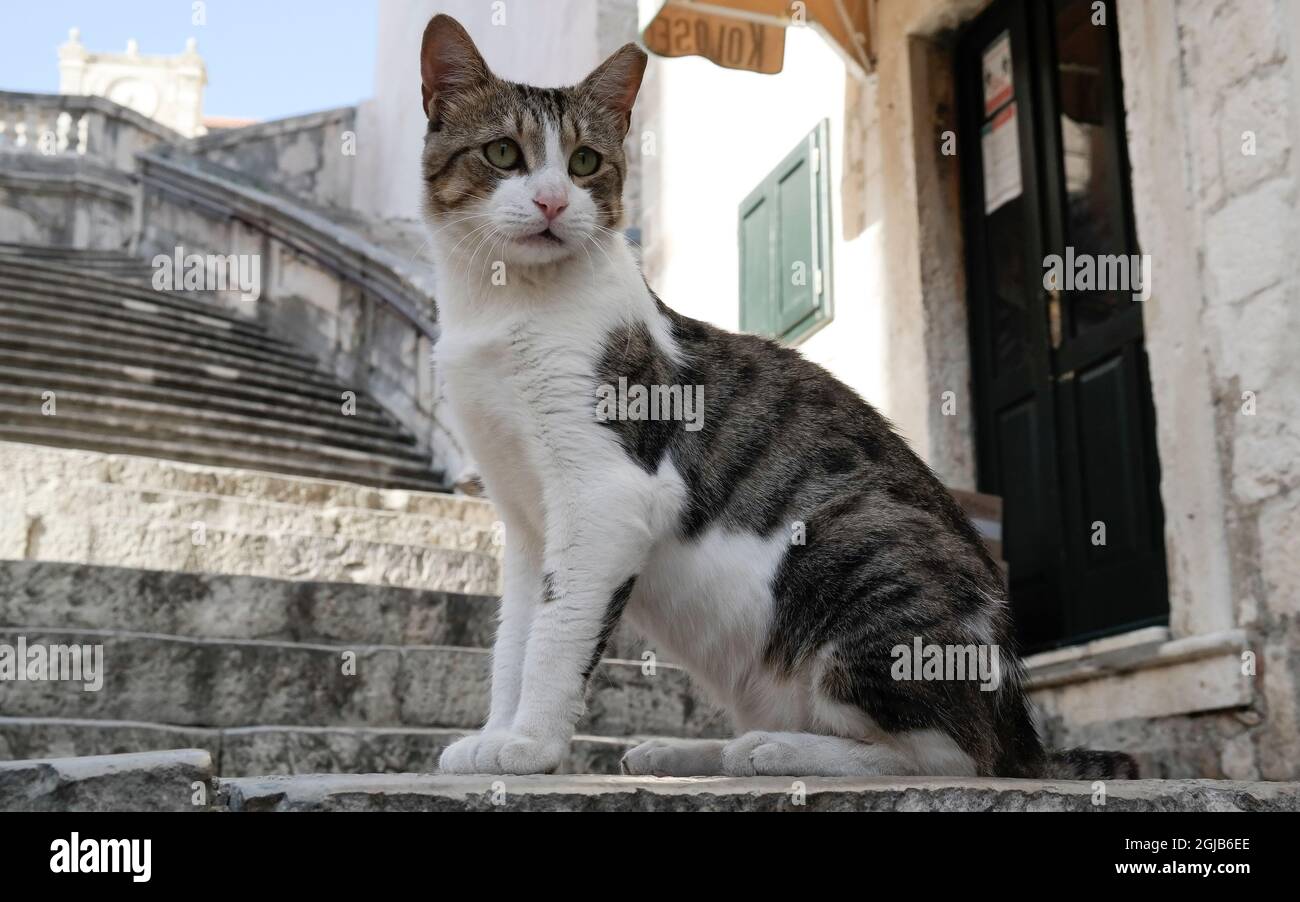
column 551, row 205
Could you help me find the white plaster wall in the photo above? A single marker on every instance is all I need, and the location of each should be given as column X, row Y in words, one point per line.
column 544, row 42
column 716, row 134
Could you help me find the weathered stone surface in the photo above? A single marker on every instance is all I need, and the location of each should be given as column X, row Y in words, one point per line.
column 149, row 338
column 250, row 751
column 223, row 683
column 59, row 595
column 212, row 606
column 38, row 737
column 196, row 548
column 35, row 466
column 303, row 750
column 96, row 503
column 151, row 781
column 414, row 792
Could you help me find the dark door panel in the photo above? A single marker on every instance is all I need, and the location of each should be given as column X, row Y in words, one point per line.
column 1064, row 424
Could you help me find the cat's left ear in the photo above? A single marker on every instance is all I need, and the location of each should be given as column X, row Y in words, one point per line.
column 614, row 83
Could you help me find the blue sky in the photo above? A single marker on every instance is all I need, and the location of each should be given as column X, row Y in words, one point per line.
column 265, row 58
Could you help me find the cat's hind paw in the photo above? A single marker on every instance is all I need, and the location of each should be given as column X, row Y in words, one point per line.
column 674, row 758
column 759, row 754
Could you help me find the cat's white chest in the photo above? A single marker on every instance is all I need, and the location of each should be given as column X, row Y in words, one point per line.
column 521, row 393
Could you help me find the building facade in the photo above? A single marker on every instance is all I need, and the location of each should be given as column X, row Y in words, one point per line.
column 166, row 89
column 1143, row 440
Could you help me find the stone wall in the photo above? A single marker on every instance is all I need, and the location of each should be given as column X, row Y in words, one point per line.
column 1212, row 93
column 68, row 201
column 312, row 156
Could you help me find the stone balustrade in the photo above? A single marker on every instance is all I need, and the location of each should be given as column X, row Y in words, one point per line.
column 73, row 125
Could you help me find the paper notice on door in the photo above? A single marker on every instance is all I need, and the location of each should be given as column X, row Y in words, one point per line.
column 998, row 85
column 1000, row 148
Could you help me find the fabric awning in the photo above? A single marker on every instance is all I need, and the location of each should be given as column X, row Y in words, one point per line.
column 750, row 34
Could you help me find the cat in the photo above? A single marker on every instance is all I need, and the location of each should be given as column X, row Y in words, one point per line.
column 687, row 530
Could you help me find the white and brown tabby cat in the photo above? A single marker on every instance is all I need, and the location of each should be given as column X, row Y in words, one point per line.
column 685, row 531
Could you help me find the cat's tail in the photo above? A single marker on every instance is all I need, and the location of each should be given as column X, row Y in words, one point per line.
column 1087, row 764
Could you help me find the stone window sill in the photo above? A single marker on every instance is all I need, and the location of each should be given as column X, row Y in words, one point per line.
column 1145, row 673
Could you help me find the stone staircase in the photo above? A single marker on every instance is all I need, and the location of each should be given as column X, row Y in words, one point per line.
column 137, row 371
column 279, row 585
column 317, row 627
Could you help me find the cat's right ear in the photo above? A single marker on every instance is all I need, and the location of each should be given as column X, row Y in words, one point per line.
column 449, row 62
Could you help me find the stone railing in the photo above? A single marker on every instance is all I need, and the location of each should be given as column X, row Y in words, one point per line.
column 311, row 156
column 363, row 309
column 73, row 125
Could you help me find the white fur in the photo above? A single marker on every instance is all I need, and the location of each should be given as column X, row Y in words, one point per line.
column 517, row 363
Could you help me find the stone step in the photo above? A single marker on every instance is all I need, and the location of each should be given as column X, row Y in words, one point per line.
column 233, row 378
column 251, row 751
column 62, row 595
column 18, row 298
column 149, row 545
column 219, row 683
column 149, row 781
column 312, row 414
column 43, row 251
column 36, row 467
column 89, row 281
column 216, row 606
column 200, row 450
column 421, row 792
column 38, row 314
column 164, row 419
column 120, row 422
column 215, row 391
column 20, row 334
column 100, row 506
column 70, row 282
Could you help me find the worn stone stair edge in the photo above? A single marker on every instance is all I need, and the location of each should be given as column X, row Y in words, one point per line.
column 277, row 748
column 129, row 317
column 416, row 792
column 131, row 312
column 80, row 502
column 163, row 416
column 27, row 336
column 210, row 389
column 70, row 282
column 304, row 411
column 410, row 478
column 43, row 463
column 172, row 780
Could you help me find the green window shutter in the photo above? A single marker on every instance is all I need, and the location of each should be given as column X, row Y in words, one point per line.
column 757, row 305
column 785, row 241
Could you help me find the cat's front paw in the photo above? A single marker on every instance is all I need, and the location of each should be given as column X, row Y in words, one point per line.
column 501, row 752
column 459, row 757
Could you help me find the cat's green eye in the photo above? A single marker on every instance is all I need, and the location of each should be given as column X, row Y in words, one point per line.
column 584, row 161
column 503, row 153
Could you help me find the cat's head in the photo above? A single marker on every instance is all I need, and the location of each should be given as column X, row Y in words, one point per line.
column 529, row 175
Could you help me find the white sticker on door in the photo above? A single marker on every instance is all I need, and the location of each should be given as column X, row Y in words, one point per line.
column 998, row 86
column 1000, row 149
